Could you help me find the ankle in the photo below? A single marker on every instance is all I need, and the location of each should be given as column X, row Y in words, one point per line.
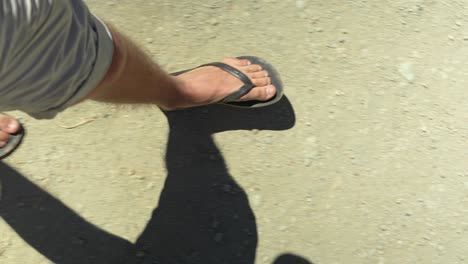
column 179, row 97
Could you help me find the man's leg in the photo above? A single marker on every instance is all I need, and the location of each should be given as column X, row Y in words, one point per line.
column 134, row 78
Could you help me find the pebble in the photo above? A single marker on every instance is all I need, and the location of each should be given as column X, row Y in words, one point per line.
column 214, row 22
column 227, row 188
column 406, row 70
column 256, row 200
column 300, row 4
column 339, row 93
column 218, row 237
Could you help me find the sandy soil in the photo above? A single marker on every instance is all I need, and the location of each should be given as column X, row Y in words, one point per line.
column 364, row 162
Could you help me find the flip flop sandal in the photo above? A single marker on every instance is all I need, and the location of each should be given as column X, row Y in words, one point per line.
column 13, row 143
column 231, row 99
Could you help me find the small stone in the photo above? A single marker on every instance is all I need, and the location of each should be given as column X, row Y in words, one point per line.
column 450, row 37
column 214, row 22
column 406, row 70
column 218, row 237
column 283, row 228
column 150, row 186
column 339, row 93
column 79, row 241
column 300, row 4
column 215, row 224
column 227, row 188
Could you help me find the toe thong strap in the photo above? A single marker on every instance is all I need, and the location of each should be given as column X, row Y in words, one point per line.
column 246, row 88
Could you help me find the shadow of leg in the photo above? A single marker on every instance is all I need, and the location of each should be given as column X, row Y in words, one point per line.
column 203, row 215
column 51, row 227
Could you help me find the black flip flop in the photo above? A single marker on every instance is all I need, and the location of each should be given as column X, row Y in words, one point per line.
column 13, row 143
column 248, row 85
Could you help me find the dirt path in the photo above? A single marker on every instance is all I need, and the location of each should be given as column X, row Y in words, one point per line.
column 368, row 163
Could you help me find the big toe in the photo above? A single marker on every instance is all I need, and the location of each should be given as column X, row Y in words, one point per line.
column 262, row 93
column 8, row 124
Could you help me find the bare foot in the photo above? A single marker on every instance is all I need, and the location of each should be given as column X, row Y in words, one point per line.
column 8, row 126
column 209, row 84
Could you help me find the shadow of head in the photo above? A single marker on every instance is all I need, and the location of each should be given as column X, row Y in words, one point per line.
column 291, row 259
column 218, row 118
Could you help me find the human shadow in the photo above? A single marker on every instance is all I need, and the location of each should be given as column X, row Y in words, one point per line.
column 52, row 228
column 203, row 215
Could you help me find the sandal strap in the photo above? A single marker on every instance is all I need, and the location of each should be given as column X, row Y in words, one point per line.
column 245, row 89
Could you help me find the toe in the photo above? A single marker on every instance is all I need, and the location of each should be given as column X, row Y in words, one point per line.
column 260, row 74
column 259, row 82
column 261, row 93
column 254, row 68
column 236, row 62
column 4, row 137
column 244, row 62
column 9, row 124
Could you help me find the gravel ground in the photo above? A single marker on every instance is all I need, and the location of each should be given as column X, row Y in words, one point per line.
column 365, row 161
